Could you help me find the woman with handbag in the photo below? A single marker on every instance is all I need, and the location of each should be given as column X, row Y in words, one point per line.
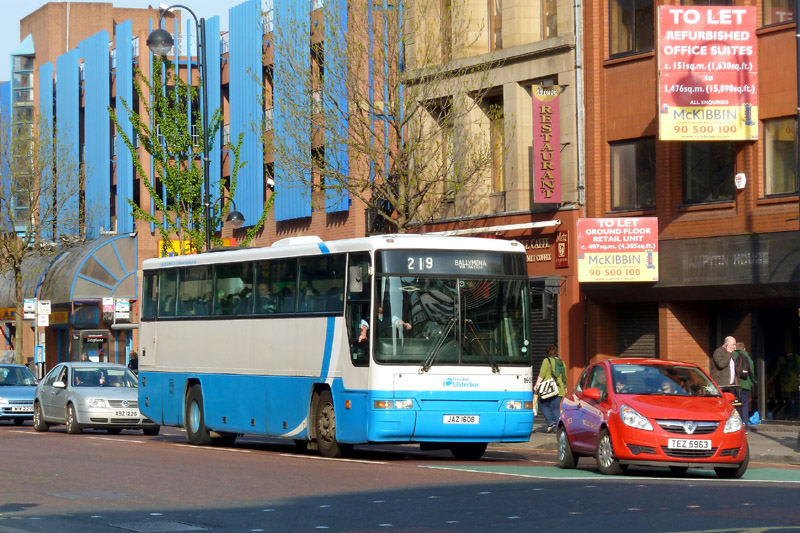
column 551, row 385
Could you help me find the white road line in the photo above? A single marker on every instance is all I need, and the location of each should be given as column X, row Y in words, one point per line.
column 318, row 458
column 235, row 450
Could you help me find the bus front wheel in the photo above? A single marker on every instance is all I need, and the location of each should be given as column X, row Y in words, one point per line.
column 195, row 421
column 326, row 429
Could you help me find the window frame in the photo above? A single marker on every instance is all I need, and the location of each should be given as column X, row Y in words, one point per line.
column 769, row 158
column 725, row 184
column 633, row 48
column 636, row 182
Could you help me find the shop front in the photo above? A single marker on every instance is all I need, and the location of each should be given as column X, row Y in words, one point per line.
column 91, row 288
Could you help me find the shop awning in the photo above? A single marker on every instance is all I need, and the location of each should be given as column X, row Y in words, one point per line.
column 104, row 267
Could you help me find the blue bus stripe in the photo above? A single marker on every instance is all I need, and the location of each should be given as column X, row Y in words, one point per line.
column 326, row 358
column 324, row 248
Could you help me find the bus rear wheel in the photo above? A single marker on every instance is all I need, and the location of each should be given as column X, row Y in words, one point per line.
column 326, row 428
column 195, row 420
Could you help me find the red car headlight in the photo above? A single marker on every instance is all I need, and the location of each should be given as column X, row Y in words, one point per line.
column 631, row 417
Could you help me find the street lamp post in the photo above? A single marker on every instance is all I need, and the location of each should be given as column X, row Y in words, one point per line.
column 160, row 42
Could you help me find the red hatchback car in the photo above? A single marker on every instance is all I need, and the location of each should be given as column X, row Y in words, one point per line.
column 651, row 412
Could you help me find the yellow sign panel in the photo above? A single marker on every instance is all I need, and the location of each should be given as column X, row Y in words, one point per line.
column 709, row 123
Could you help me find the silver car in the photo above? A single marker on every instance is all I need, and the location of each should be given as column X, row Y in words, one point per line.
column 17, row 385
column 90, row 395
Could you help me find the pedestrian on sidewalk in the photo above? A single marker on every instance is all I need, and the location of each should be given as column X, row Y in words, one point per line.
column 552, row 367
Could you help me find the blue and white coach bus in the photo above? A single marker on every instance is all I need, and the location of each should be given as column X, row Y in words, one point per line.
column 393, row 338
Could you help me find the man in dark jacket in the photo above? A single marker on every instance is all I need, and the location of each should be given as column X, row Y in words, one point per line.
column 721, row 368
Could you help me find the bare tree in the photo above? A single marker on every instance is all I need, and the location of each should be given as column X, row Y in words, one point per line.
column 389, row 85
column 41, row 203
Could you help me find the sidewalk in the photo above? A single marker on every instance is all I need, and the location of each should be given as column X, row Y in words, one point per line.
column 769, row 443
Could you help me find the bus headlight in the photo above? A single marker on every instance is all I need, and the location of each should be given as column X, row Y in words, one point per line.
column 393, row 404
column 516, row 405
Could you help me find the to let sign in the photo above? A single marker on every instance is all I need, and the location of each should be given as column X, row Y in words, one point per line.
column 546, row 144
column 618, row 249
column 708, row 73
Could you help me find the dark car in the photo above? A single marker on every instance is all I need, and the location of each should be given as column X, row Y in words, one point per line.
column 651, row 412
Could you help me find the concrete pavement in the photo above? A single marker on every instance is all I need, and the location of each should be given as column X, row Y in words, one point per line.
column 769, row 443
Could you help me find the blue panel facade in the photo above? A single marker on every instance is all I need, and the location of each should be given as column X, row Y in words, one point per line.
column 293, row 199
column 5, row 100
column 97, row 132
column 335, row 104
column 246, row 78
column 46, row 134
column 67, row 132
column 124, row 82
column 212, row 84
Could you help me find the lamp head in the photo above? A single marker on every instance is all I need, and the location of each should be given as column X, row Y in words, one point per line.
column 160, row 41
column 235, row 218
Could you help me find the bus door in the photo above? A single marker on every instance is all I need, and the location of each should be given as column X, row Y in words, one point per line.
column 357, row 312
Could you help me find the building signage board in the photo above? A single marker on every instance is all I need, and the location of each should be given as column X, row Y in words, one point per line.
column 708, row 73
column 618, row 249
column 562, row 249
column 43, row 320
column 43, row 307
column 108, row 305
column 546, row 144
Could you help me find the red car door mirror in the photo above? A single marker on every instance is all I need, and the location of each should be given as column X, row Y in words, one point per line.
column 593, row 394
column 729, row 396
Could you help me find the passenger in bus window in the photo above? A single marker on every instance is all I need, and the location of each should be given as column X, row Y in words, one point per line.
column 265, row 302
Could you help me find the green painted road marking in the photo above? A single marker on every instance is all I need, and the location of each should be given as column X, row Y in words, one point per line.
column 774, row 475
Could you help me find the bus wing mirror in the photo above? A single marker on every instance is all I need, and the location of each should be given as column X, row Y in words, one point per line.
column 356, row 283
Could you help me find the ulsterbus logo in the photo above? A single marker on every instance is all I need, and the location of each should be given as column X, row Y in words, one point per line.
column 460, row 383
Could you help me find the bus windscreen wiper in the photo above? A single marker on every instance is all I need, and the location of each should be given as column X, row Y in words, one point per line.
column 486, row 355
column 438, row 346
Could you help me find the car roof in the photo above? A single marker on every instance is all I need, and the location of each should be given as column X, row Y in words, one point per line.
column 78, row 364
column 6, row 365
column 649, row 362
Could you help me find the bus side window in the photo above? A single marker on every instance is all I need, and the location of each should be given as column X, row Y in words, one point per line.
column 149, row 294
column 167, row 286
column 358, row 294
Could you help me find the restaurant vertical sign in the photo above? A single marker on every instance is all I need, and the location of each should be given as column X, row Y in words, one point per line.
column 546, row 144
column 708, row 73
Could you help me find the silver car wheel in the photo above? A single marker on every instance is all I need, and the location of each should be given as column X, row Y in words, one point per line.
column 606, row 451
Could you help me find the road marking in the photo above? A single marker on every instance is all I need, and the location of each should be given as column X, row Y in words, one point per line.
column 116, row 440
column 235, row 450
column 755, row 475
column 340, row 459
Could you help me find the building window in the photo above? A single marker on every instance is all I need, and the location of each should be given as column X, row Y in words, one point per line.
column 633, row 174
column 549, row 19
column 637, row 330
column 493, row 107
column 777, row 11
column 706, row 2
column 780, row 156
column 631, row 28
column 708, row 170
column 495, row 25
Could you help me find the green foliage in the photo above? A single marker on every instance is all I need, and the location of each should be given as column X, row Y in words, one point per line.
column 177, row 155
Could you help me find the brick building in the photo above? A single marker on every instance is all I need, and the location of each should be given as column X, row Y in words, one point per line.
column 729, row 256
